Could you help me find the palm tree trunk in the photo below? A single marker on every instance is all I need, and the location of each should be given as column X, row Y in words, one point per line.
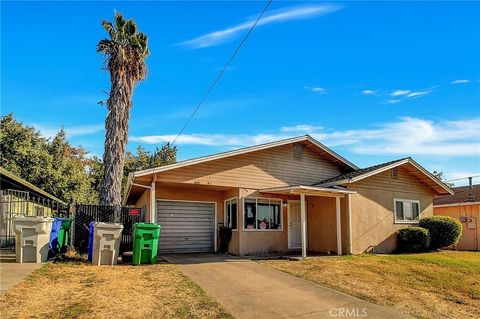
column 116, row 126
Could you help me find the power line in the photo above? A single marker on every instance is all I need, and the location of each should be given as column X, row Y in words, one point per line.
column 214, row 83
column 459, row 179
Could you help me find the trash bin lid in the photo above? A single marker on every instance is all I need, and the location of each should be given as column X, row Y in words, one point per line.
column 146, row 226
column 108, row 225
column 33, row 219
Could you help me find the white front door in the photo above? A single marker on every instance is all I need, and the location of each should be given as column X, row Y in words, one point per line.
column 294, row 224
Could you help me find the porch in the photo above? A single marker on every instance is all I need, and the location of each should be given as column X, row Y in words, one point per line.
column 318, row 224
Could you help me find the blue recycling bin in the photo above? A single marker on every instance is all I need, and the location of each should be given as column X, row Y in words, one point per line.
column 90, row 241
column 59, row 236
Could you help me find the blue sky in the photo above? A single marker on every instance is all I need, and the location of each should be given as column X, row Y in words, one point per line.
column 375, row 81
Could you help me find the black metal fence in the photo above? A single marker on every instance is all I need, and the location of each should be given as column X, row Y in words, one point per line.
column 84, row 214
column 20, row 203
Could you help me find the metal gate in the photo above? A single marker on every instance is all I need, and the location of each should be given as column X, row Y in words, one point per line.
column 21, row 203
column 84, row 214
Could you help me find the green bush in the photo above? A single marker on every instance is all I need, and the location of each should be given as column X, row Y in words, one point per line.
column 413, row 239
column 444, row 231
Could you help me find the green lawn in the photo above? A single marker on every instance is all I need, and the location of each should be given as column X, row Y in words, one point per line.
column 80, row 290
column 431, row 285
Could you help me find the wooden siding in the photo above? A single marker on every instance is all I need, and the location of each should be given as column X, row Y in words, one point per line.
column 373, row 222
column 262, row 169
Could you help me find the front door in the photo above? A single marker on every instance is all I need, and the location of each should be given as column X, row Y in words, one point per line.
column 294, row 224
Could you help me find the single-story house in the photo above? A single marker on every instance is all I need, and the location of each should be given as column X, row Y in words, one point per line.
column 464, row 205
column 292, row 194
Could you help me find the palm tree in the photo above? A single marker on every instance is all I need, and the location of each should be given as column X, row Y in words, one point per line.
column 125, row 53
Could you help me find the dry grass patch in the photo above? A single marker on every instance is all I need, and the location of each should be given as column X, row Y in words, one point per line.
column 79, row 290
column 431, row 285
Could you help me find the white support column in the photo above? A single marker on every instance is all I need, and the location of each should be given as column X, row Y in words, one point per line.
column 349, row 221
column 153, row 202
column 303, row 225
column 339, row 226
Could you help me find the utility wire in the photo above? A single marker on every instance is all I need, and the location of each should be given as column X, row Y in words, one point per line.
column 459, row 179
column 214, row 83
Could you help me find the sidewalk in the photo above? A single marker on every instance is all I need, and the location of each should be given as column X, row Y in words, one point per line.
column 12, row 273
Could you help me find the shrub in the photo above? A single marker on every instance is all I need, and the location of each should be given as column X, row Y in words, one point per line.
column 413, row 239
column 444, row 231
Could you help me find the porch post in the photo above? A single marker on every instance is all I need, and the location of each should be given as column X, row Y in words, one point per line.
column 153, row 202
column 339, row 226
column 304, row 225
column 349, row 221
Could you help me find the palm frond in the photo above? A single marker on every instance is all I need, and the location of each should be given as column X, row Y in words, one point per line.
column 108, row 26
column 130, row 28
column 119, row 25
column 105, row 46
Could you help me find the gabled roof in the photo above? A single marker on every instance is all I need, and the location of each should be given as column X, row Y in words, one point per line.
column 463, row 195
column 360, row 174
column 10, row 178
column 305, row 138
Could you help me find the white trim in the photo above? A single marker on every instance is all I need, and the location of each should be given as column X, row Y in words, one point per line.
column 297, row 189
column 303, row 227
column 403, row 200
column 243, row 151
column 256, row 204
column 457, row 204
column 349, row 223
column 338, row 226
column 288, row 224
column 153, row 202
column 225, row 211
column 385, row 168
column 199, row 201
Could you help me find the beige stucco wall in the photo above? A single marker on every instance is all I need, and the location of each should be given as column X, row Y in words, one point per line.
column 470, row 239
column 373, row 222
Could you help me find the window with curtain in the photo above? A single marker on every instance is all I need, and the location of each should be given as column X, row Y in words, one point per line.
column 231, row 213
column 262, row 214
column 407, row 211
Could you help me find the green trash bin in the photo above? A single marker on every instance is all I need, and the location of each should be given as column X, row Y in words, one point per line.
column 59, row 235
column 145, row 243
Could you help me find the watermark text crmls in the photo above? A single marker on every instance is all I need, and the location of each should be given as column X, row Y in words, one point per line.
column 346, row 312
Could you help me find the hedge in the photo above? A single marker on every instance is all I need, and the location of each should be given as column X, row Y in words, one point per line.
column 444, row 230
column 413, row 239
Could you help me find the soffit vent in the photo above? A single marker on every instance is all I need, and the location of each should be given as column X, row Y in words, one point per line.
column 298, row 151
column 395, row 173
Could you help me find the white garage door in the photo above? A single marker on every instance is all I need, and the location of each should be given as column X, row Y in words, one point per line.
column 186, row 227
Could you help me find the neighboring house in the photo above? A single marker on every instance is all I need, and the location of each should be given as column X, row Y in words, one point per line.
column 293, row 194
column 19, row 197
column 465, row 206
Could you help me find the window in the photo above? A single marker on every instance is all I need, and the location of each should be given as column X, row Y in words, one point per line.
column 231, row 213
column 262, row 213
column 406, row 211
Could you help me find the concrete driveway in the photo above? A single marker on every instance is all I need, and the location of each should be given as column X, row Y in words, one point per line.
column 12, row 273
column 250, row 290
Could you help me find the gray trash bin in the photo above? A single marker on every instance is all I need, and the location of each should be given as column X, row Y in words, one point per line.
column 33, row 238
column 106, row 243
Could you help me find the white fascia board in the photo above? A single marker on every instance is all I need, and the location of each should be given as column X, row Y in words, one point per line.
column 243, row 151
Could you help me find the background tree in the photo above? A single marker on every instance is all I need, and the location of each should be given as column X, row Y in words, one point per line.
column 125, row 53
column 439, row 175
column 53, row 165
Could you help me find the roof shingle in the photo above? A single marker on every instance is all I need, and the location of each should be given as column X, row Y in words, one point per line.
column 463, row 194
column 357, row 172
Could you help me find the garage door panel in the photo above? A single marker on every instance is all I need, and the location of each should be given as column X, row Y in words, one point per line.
column 186, row 226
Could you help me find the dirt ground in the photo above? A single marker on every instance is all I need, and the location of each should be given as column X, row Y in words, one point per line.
column 431, row 285
column 80, row 290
